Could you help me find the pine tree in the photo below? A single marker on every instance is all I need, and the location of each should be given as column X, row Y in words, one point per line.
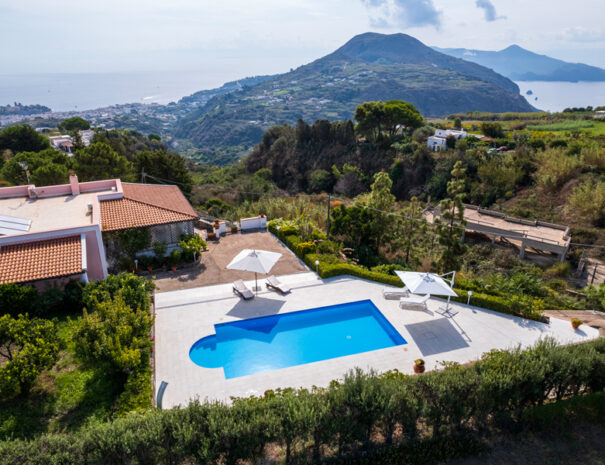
column 450, row 227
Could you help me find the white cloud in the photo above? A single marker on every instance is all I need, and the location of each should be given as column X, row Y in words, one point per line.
column 386, row 14
column 267, row 36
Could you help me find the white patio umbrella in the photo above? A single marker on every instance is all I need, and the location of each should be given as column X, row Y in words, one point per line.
column 258, row 261
column 429, row 283
column 425, row 283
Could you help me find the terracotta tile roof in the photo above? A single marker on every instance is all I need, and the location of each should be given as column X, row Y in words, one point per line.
column 32, row 261
column 146, row 205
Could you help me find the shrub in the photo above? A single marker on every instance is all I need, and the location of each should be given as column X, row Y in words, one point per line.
column 329, row 270
column 192, row 245
column 304, row 248
column 159, row 250
column 593, row 156
column 555, row 168
column 18, row 299
column 514, row 305
column 28, row 346
column 133, row 241
column 561, row 270
column 174, row 258
column 588, row 199
column 134, row 290
column 596, row 296
column 389, row 269
column 329, row 247
column 493, row 130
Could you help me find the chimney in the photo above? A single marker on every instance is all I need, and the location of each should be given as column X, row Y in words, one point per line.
column 73, row 182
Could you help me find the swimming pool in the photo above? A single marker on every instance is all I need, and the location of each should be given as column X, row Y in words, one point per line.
column 278, row 341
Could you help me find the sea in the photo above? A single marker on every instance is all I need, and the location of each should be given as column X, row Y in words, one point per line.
column 556, row 96
column 75, row 92
column 86, row 91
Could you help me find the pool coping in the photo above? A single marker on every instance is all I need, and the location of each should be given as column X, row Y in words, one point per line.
column 181, row 318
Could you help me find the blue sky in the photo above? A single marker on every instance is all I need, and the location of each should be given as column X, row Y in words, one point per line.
column 236, row 38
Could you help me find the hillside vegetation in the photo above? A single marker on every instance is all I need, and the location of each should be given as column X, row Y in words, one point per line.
column 369, row 67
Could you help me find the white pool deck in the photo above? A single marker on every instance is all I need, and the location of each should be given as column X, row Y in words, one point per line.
column 183, row 317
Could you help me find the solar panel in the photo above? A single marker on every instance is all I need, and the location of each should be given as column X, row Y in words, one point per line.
column 13, row 224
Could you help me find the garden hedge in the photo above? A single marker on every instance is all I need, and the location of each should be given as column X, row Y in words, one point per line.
column 365, row 418
column 329, row 266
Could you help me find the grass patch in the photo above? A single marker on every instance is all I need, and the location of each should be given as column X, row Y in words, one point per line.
column 65, row 398
column 568, row 125
column 598, row 129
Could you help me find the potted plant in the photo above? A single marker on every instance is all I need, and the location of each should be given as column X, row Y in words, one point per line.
column 576, row 322
column 211, row 236
column 175, row 258
column 419, row 365
column 234, row 228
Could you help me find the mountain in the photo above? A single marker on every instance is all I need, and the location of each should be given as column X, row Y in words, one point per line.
column 368, row 67
column 202, row 97
column 519, row 64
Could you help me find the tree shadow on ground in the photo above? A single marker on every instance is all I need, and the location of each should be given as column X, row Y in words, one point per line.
column 97, row 401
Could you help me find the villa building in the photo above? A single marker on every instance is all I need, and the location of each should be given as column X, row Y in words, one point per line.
column 63, row 143
column 57, row 233
column 439, row 140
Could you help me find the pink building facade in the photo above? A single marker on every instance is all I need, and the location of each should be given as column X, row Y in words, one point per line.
column 32, row 219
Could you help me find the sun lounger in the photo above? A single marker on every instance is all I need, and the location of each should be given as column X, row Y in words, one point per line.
column 240, row 289
column 395, row 293
column 414, row 301
column 276, row 284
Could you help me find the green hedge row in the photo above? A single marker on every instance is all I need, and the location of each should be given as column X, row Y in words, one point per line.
column 366, row 418
column 523, row 306
column 328, row 270
column 306, row 251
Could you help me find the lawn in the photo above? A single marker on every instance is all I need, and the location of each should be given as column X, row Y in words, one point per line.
column 64, row 398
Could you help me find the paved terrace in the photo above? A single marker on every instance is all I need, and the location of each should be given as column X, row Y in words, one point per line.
column 536, row 234
column 212, row 269
column 183, row 317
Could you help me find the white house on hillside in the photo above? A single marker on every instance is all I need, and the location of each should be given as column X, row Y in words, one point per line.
column 438, row 141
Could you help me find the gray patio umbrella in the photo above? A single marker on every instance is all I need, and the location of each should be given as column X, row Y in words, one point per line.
column 258, row 261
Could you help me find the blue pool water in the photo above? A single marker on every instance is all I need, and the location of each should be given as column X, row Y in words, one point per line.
column 279, row 341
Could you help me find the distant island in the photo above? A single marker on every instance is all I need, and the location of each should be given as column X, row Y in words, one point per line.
column 520, row 64
column 23, row 110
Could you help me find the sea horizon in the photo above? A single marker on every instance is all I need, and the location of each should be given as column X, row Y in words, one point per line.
column 64, row 92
